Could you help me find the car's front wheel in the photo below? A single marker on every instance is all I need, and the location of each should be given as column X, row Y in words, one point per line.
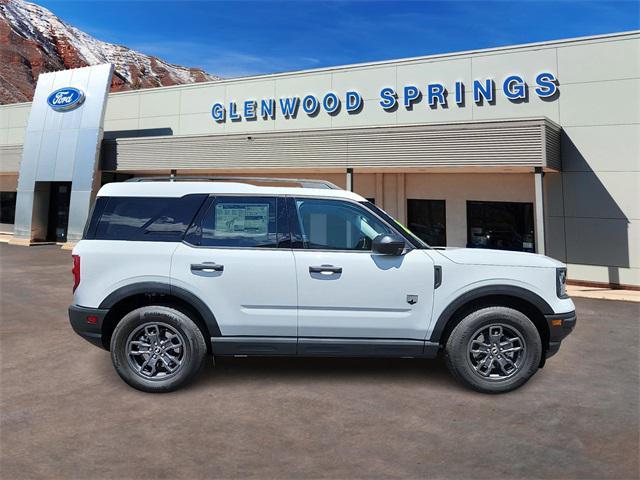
column 157, row 349
column 494, row 350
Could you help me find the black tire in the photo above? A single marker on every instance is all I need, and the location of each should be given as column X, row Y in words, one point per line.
column 179, row 327
column 461, row 362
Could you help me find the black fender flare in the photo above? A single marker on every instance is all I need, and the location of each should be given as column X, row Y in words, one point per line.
column 160, row 288
column 487, row 291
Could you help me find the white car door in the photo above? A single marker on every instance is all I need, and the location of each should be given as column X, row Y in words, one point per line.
column 231, row 260
column 347, row 291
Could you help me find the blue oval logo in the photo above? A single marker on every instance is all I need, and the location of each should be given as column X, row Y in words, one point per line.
column 65, row 99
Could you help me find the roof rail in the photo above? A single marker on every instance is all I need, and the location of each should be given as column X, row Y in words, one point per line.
column 303, row 182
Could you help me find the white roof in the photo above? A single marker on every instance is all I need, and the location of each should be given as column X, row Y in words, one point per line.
column 181, row 188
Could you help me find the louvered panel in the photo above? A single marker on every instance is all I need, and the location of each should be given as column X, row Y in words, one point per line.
column 552, row 147
column 10, row 156
column 528, row 143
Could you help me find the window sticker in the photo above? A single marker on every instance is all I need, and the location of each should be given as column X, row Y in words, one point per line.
column 243, row 218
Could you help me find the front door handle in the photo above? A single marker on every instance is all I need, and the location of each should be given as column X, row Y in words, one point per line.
column 207, row 267
column 325, row 269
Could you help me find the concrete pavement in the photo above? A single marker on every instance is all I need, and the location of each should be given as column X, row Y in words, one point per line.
column 66, row 414
column 602, row 293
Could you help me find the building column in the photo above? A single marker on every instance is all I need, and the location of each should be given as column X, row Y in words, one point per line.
column 349, row 182
column 401, row 200
column 379, row 189
column 539, row 211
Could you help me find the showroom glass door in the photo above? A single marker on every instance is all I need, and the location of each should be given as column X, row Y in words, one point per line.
column 59, row 211
column 500, row 225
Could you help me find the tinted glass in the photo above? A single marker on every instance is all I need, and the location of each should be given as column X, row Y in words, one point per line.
column 337, row 225
column 7, row 207
column 500, row 225
column 427, row 220
column 94, row 217
column 241, row 222
column 174, row 219
column 145, row 218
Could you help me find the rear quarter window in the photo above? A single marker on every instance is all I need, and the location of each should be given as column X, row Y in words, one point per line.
column 143, row 218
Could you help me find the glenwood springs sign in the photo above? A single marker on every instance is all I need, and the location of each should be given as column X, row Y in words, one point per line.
column 433, row 95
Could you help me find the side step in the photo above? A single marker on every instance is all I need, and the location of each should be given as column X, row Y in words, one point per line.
column 322, row 347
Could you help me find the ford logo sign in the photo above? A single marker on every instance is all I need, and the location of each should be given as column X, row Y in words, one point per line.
column 65, row 99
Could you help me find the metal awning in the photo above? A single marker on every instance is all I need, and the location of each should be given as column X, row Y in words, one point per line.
column 526, row 143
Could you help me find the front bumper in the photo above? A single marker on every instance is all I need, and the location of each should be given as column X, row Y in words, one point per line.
column 560, row 325
column 87, row 322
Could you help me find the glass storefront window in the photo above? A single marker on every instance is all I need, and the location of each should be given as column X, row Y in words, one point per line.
column 500, row 225
column 427, row 220
column 7, row 207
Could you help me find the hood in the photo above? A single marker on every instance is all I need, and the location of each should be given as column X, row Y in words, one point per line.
column 480, row 256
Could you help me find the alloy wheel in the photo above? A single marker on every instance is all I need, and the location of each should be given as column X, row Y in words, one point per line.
column 155, row 351
column 496, row 352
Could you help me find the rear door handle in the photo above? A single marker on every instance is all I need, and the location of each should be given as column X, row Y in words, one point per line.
column 325, row 269
column 207, row 267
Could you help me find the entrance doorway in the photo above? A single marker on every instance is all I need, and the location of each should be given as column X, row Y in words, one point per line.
column 58, row 211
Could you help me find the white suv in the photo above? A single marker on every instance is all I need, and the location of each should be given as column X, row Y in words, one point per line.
column 169, row 271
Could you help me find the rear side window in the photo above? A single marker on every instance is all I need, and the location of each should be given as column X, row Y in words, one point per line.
column 253, row 222
column 144, row 218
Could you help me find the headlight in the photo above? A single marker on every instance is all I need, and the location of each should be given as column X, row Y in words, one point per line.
column 561, row 282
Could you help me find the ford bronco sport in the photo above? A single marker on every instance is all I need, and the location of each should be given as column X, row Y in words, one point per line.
column 170, row 271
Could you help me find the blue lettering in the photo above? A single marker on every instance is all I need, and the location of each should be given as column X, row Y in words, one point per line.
column 234, row 116
column 353, row 101
column 459, row 93
column 289, row 106
column 310, row 104
column 546, row 85
column 217, row 112
column 249, row 109
column 514, row 87
column 411, row 94
column 388, row 98
column 330, row 102
column 435, row 94
column 268, row 108
column 483, row 91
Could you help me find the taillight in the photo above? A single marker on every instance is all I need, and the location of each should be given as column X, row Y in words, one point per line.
column 76, row 271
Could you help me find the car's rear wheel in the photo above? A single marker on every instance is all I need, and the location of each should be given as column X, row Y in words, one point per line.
column 157, row 349
column 494, row 350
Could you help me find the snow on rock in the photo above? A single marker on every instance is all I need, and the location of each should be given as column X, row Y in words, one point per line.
column 33, row 40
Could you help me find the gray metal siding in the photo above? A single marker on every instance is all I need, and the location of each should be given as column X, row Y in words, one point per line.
column 518, row 143
column 10, row 156
column 553, row 158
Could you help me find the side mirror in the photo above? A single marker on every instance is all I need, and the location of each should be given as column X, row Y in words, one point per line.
column 388, row 244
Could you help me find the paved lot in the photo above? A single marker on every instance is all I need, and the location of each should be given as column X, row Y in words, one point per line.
column 66, row 414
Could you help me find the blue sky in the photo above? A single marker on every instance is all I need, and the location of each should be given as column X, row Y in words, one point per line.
column 237, row 38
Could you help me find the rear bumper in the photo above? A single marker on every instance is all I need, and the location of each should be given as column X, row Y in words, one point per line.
column 560, row 325
column 87, row 322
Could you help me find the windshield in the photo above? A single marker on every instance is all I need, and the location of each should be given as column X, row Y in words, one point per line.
column 415, row 241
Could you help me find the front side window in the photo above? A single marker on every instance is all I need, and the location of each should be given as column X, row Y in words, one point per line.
column 241, row 222
column 337, row 225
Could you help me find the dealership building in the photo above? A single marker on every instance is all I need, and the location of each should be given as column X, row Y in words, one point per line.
column 531, row 147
